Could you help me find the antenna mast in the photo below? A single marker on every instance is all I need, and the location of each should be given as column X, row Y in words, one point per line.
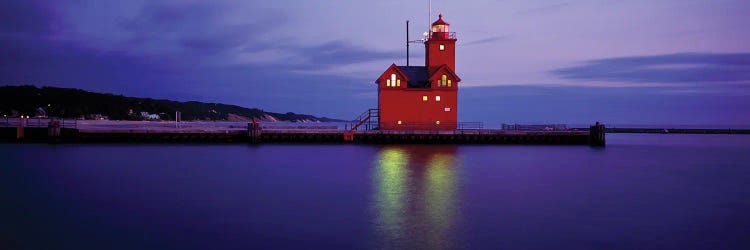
column 427, row 34
column 407, row 43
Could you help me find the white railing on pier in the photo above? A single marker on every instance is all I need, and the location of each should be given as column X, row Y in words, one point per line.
column 12, row 122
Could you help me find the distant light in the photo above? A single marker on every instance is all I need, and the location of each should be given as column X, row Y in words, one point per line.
column 437, row 122
column 48, row 105
column 399, row 122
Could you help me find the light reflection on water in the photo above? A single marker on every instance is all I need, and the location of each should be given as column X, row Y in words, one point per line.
column 415, row 198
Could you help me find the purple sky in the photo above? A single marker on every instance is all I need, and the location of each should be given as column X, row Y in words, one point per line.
column 621, row 62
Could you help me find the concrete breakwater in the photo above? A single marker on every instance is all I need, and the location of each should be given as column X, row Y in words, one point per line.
column 55, row 131
column 69, row 135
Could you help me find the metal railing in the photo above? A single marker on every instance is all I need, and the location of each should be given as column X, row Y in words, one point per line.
column 442, row 35
column 36, row 122
column 535, row 127
column 368, row 120
column 297, row 127
column 470, row 125
column 433, row 126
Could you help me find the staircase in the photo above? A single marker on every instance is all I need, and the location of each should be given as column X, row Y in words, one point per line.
column 368, row 120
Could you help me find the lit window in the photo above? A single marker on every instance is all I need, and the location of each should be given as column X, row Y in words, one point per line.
column 398, row 83
column 394, row 82
column 440, row 28
column 442, row 47
column 443, row 81
column 388, row 82
column 424, row 98
column 447, row 109
column 399, row 122
column 437, row 122
column 437, row 98
column 449, row 83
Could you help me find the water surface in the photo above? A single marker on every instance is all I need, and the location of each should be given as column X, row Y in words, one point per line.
column 641, row 192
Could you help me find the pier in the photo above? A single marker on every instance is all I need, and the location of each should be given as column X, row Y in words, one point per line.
column 69, row 131
column 430, row 137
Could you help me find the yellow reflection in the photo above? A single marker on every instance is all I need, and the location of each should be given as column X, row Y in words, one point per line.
column 440, row 190
column 391, row 178
column 416, row 196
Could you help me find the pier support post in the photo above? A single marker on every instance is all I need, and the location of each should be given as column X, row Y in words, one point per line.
column 349, row 136
column 53, row 128
column 53, row 131
column 597, row 135
column 20, row 128
column 254, row 131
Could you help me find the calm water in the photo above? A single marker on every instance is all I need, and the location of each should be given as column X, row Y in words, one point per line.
column 641, row 192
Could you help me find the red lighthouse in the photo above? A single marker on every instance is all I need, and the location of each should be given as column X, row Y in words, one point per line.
column 422, row 97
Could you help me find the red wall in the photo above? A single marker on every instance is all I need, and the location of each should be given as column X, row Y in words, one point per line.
column 407, row 106
column 436, row 57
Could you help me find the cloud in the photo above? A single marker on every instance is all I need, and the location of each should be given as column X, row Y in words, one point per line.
column 340, row 52
column 485, row 40
column 202, row 33
column 199, row 31
column 668, row 68
column 26, row 19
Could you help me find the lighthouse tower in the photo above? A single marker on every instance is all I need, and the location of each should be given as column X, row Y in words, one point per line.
column 440, row 48
column 422, row 97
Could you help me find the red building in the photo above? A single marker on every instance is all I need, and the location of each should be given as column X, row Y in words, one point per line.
column 422, row 97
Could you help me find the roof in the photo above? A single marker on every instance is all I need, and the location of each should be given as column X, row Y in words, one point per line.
column 417, row 75
column 440, row 21
column 444, row 68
